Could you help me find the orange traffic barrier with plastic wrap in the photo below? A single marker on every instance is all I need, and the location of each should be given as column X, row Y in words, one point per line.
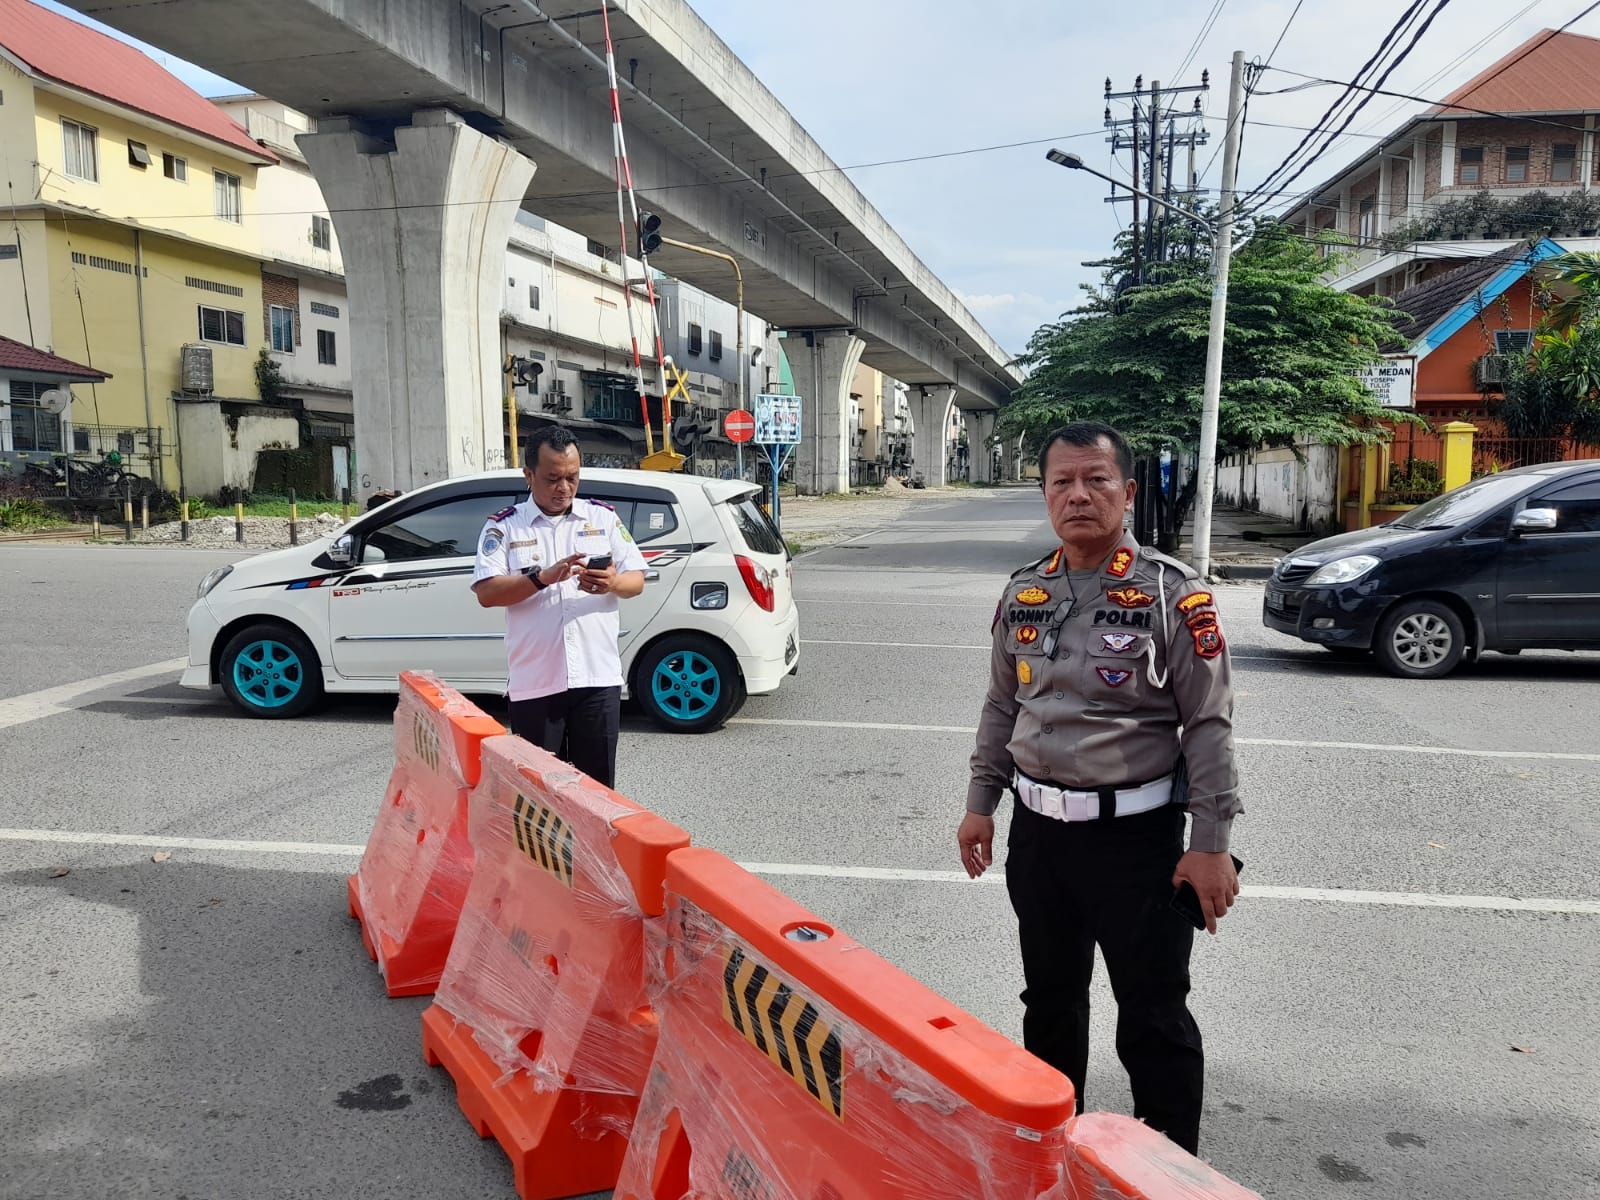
column 408, row 890
column 795, row 1063
column 543, row 1016
column 1112, row 1157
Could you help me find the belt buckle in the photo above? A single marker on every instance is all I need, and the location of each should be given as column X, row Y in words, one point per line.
column 1050, row 804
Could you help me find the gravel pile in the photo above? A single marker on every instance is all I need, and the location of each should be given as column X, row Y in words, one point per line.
column 217, row 533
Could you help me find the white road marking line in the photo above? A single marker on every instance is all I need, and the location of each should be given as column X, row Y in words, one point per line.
column 70, row 837
column 830, row 871
column 852, row 725
column 50, row 702
column 1287, row 743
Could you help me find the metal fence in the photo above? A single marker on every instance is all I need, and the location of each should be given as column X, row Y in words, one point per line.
column 1492, row 452
column 1415, row 467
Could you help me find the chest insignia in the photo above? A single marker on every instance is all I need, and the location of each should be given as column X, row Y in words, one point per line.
column 1028, row 634
column 1130, row 597
column 1024, row 671
column 1033, row 596
column 1115, row 676
column 1118, row 643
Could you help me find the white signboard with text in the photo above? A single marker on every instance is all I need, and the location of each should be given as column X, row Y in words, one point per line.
column 777, row 420
column 1392, row 381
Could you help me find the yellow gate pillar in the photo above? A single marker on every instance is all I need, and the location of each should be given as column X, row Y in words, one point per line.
column 1457, row 465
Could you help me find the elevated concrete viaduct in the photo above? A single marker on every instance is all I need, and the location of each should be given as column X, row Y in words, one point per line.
column 421, row 104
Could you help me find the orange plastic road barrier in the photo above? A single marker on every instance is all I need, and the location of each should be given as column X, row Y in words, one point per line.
column 408, row 890
column 793, row 1062
column 543, row 1017
column 1111, row 1157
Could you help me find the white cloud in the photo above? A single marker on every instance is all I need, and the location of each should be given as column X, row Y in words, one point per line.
column 986, row 301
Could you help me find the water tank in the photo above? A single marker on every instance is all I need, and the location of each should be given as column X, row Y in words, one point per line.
column 195, row 368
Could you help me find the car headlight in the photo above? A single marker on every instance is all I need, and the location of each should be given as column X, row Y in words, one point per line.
column 211, row 581
column 1342, row 570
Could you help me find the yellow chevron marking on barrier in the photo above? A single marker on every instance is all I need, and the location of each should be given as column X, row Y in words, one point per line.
column 425, row 741
column 785, row 1027
column 543, row 837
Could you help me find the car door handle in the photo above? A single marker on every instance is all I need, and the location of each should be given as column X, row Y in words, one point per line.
column 651, row 575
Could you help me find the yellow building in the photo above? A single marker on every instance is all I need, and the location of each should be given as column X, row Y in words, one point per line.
column 127, row 239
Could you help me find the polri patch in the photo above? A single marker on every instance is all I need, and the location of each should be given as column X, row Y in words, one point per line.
column 1028, row 635
column 1120, row 562
column 1033, row 595
column 1208, row 641
column 1193, row 601
column 1130, row 597
column 1115, row 676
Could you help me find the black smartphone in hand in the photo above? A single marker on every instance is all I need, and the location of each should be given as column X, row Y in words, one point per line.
column 1186, row 901
column 599, row 562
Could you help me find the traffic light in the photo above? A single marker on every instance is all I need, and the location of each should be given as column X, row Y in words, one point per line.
column 525, row 372
column 649, row 233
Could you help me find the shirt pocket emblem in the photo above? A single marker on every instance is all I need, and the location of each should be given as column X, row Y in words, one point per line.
column 1119, row 643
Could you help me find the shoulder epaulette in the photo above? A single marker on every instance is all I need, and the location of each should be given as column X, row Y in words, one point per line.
column 503, row 513
column 602, row 504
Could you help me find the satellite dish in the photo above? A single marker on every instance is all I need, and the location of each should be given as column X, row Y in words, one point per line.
column 56, row 401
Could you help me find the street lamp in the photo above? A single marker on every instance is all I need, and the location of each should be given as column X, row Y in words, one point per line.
column 1074, row 162
column 1222, row 251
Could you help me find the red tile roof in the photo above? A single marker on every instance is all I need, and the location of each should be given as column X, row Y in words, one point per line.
column 1549, row 73
column 19, row 356
column 60, row 49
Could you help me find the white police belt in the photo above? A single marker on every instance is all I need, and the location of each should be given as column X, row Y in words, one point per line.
column 1062, row 805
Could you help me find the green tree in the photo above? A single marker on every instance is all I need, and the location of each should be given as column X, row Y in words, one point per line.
column 1552, row 393
column 1136, row 360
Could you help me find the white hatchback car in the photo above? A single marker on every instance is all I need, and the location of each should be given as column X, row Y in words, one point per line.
column 391, row 592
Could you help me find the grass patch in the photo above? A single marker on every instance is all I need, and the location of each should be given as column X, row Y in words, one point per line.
column 24, row 514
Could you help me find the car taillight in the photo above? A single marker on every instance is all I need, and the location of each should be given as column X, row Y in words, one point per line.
column 759, row 580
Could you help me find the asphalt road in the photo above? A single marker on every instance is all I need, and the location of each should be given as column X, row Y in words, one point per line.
column 1421, row 897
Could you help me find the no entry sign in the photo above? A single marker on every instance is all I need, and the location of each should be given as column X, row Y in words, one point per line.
column 739, row 425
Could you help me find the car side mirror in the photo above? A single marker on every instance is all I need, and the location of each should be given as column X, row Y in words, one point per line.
column 343, row 551
column 1534, row 520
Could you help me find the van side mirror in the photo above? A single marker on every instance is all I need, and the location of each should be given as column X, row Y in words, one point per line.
column 1534, row 520
column 343, row 551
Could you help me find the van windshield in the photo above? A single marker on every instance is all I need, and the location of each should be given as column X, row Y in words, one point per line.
column 1466, row 504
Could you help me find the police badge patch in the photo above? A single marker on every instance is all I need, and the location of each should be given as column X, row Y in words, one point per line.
column 1115, row 676
column 492, row 538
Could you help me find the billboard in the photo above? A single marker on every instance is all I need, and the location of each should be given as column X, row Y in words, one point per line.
column 777, row 420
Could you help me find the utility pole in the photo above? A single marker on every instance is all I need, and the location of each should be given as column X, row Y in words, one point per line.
column 1220, row 257
column 1152, row 168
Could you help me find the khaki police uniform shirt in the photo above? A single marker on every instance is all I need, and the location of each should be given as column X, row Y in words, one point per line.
column 1140, row 675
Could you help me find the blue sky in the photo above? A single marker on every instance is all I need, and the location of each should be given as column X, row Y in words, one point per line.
column 1009, row 231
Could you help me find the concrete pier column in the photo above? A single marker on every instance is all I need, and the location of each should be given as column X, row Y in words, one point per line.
column 823, row 365
column 931, row 407
column 423, row 223
column 980, row 454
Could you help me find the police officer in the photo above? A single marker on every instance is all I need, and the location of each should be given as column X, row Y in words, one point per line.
column 1109, row 711
column 561, row 613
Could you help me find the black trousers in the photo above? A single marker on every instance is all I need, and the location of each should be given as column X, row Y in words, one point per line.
column 1077, row 884
column 578, row 726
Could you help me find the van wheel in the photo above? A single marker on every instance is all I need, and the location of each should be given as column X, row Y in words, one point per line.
column 271, row 671
column 1420, row 639
column 689, row 684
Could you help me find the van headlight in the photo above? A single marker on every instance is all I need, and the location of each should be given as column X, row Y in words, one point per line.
column 211, row 581
column 1342, row 570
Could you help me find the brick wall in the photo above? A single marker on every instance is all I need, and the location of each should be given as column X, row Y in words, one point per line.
column 1494, row 136
column 1433, row 158
column 1399, row 189
column 284, row 292
column 1359, row 191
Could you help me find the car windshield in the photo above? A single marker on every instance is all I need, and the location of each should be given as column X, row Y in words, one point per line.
column 1464, row 505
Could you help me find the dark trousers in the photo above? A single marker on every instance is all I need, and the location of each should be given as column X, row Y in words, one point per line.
column 1077, row 884
column 578, row 726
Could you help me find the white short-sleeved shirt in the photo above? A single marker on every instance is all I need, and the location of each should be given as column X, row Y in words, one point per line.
column 559, row 638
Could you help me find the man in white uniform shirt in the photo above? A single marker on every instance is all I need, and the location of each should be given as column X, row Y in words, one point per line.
column 561, row 613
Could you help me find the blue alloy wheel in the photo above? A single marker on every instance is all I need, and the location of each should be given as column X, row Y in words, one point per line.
column 686, row 685
column 270, row 670
column 268, row 673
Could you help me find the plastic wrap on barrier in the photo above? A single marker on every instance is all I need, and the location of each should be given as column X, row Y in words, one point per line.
column 408, row 890
column 794, row 1064
column 1113, row 1157
column 543, row 1015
